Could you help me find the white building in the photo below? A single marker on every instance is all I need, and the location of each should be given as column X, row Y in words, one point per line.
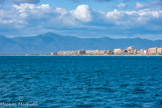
column 118, row 51
column 90, row 52
column 159, row 51
column 142, row 52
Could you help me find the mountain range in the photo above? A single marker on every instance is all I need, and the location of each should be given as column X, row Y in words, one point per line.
column 51, row 42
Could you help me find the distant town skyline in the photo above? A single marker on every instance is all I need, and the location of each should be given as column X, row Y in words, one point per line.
column 131, row 50
column 82, row 18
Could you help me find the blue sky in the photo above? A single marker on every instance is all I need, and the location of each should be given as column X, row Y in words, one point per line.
column 82, row 18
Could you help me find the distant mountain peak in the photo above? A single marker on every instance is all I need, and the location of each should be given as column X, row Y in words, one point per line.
column 51, row 42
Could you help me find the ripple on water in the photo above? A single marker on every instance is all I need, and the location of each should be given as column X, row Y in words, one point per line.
column 85, row 82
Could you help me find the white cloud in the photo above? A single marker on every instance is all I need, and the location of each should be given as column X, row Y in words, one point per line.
column 82, row 12
column 43, row 14
column 32, row 10
column 23, row 7
column 28, row 16
column 65, row 17
column 44, row 6
column 61, row 11
column 26, row 6
column 139, row 17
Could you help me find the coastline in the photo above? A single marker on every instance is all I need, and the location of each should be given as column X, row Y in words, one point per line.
column 81, row 55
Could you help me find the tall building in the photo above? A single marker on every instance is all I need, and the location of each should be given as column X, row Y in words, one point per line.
column 135, row 51
column 60, row 53
column 74, row 53
column 142, row 52
column 102, row 52
column 152, row 51
column 52, row 53
column 81, row 52
column 130, row 50
column 90, row 52
column 109, row 52
column 159, row 51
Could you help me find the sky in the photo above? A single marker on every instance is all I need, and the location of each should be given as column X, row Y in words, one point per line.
column 82, row 18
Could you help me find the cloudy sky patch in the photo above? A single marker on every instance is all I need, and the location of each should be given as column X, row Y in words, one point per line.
column 83, row 18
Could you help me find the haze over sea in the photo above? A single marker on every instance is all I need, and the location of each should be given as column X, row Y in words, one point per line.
column 82, row 82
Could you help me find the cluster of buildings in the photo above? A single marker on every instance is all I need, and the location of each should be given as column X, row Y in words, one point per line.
column 129, row 51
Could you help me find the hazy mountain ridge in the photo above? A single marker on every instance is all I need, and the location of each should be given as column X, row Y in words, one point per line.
column 51, row 42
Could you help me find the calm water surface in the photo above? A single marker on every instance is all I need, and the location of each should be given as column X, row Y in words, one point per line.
column 81, row 82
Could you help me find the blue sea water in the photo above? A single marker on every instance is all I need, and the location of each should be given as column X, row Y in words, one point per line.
column 81, row 82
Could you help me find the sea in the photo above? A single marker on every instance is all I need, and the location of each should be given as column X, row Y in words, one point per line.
column 80, row 82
